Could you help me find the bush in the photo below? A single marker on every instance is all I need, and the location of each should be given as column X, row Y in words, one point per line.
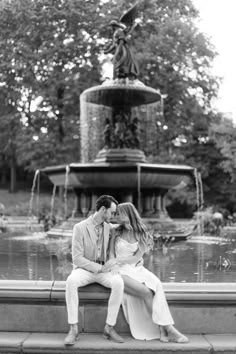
column 18, row 204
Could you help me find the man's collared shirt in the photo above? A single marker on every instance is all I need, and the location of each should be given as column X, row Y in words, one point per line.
column 99, row 229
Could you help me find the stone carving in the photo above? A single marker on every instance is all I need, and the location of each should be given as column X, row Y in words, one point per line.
column 121, row 131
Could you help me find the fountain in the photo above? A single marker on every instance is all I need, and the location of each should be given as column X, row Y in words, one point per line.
column 118, row 124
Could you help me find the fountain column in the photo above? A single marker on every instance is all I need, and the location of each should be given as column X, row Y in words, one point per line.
column 93, row 203
column 82, row 203
column 148, row 205
column 128, row 197
column 163, row 204
column 77, row 211
column 157, row 205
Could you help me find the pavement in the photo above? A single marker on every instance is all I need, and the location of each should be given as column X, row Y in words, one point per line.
column 88, row 343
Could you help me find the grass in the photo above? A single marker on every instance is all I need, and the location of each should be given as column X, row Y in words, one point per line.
column 22, row 202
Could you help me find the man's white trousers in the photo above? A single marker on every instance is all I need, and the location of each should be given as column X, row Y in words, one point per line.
column 81, row 277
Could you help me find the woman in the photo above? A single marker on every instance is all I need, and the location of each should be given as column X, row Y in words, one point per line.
column 145, row 307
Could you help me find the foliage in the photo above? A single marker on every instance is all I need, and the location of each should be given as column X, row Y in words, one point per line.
column 224, row 135
column 49, row 55
column 9, row 121
column 18, row 204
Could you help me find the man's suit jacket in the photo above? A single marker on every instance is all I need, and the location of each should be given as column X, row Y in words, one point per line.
column 84, row 248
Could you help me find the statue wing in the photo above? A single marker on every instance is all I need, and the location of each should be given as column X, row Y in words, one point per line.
column 130, row 15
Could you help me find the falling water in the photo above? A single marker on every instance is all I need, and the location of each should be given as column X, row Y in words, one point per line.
column 53, row 201
column 198, row 201
column 199, row 197
column 65, row 190
column 139, row 186
column 36, row 177
column 200, row 190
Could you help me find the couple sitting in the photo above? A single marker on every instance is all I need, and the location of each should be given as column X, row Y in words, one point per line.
column 138, row 290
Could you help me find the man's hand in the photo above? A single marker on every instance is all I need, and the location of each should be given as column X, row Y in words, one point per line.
column 109, row 265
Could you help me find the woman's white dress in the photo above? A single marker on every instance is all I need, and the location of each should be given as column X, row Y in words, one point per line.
column 142, row 324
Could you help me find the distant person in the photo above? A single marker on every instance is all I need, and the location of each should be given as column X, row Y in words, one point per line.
column 234, row 217
column 89, row 254
column 144, row 305
column 229, row 220
column 48, row 220
column 218, row 220
column 3, row 219
column 2, row 209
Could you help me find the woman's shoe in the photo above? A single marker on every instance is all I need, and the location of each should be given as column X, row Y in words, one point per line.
column 175, row 336
column 180, row 339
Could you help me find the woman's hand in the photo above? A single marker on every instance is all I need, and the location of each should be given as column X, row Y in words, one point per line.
column 115, row 270
column 109, row 265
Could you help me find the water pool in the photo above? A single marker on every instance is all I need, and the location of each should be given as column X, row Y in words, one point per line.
column 199, row 259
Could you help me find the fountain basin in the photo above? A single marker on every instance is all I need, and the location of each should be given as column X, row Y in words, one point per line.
column 121, row 175
column 121, row 92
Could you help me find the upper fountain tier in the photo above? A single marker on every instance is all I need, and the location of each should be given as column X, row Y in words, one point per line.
column 121, row 92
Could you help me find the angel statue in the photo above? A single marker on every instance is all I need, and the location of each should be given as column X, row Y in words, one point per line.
column 124, row 63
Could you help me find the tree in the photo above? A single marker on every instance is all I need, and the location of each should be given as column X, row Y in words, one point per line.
column 49, row 55
column 223, row 133
column 10, row 130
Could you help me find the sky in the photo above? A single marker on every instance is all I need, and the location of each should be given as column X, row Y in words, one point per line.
column 217, row 20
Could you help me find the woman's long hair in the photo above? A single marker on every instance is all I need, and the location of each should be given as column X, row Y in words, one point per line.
column 135, row 224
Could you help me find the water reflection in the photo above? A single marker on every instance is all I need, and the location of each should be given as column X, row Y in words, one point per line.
column 199, row 259
column 32, row 257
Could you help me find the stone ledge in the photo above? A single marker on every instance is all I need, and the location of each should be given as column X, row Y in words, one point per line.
column 37, row 343
column 24, row 290
column 38, row 306
column 176, row 293
column 25, row 342
column 12, row 342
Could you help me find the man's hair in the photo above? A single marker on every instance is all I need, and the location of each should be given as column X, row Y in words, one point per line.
column 105, row 200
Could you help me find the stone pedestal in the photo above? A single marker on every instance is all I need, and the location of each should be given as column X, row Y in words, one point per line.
column 128, row 198
column 160, row 211
column 120, row 155
column 148, row 205
column 82, row 204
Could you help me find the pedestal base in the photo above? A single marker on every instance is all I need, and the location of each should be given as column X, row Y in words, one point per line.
column 120, row 155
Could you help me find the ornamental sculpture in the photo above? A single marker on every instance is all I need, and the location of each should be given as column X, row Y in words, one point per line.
column 124, row 63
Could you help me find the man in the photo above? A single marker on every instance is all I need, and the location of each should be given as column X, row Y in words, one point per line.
column 89, row 250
